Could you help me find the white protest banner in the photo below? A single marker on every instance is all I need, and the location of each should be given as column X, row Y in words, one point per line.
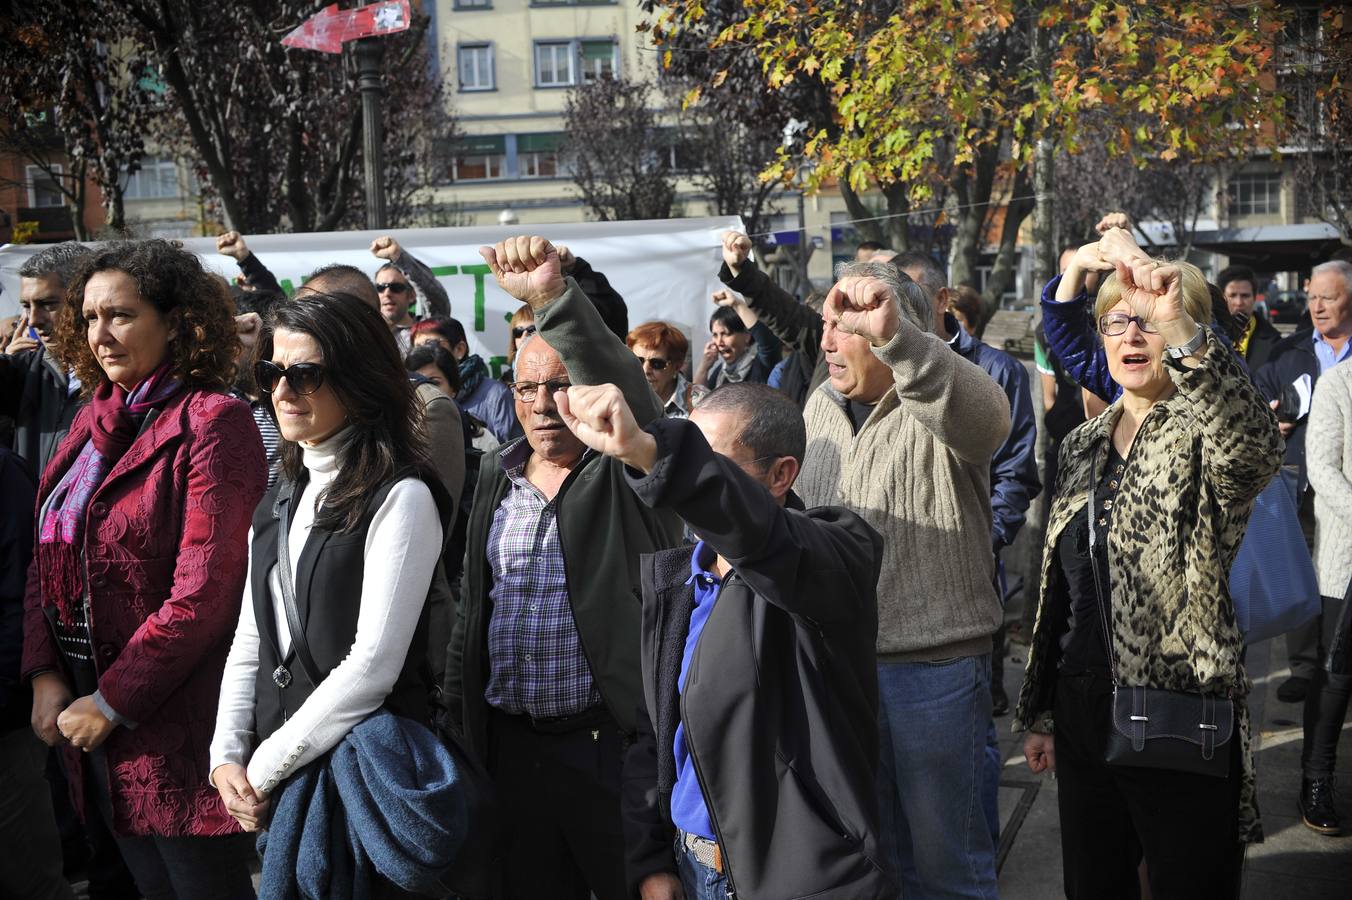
column 664, row 268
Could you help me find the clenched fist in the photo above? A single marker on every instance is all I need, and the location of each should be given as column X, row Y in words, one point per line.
column 528, row 268
column 601, row 419
column 736, row 249
column 863, row 306
column 232, row 244
column 386, row 248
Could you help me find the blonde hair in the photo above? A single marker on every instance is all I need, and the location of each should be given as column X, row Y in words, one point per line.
column 1196, row 294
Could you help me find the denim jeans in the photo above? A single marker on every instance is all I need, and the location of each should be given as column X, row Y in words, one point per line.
column 933, row 719
column 698, row 880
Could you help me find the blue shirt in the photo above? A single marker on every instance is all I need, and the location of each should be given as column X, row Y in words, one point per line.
column 688, row 810
column 1323, row 351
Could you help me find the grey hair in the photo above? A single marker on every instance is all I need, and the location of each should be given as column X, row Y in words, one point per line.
column 1336, row 267
column 912, row 301
column 61, row 260
column 927, row 272
column 772, row 423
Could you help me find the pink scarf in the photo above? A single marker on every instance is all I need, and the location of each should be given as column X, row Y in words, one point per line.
column 117, row 416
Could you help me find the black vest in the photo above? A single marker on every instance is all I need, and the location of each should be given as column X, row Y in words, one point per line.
column 328, row 596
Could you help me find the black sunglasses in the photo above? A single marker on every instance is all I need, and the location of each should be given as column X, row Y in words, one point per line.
column 304, row 378
column 394, row 287
column 521, row 331
column 657, row 362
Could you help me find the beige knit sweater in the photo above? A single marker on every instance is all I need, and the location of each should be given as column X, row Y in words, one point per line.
column 919, row 472
column 1328, row 458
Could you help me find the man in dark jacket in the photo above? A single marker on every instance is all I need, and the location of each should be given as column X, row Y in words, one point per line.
column 35, row 389
column 543, row 678
column 754, row 770
column 1287, row 381
column 1239, row 286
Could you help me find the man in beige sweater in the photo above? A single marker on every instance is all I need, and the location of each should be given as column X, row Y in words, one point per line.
column 903, row 433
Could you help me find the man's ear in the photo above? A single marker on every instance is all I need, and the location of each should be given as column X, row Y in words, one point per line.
column 783, row 473
column 943, row 300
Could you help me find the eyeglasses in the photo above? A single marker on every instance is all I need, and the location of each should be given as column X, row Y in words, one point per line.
column 658, row 363
column 304, row 378
column 394, row 287
column 525, row 391
column 1116, row 323
column 521, row 331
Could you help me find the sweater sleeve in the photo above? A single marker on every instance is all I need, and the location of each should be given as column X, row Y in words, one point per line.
column 1325, row 443
column 955, row 400
column 402, row 547
column 416, row 271
column 235, row 735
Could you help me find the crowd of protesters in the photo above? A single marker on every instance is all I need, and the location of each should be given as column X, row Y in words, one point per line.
column 298, row 579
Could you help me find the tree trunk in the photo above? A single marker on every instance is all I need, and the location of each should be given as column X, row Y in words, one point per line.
column 213, row 156
column 1002, row 272
column 898, row 223
column 1044, row 232
column 972, row 190
column 869, row 228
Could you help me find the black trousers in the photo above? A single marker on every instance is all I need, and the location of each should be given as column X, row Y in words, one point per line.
column 1302, row 644
column 1186, row 825
column 1325, row 702
column 559, row 799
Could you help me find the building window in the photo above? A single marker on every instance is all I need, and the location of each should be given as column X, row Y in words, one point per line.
column 1256, row 194
column 476, row 67
column 480, row 157
column 557, row 63
column 537, row 155
column 553, row 63
column 473, row 4
column 156, row 179
column 43, row 191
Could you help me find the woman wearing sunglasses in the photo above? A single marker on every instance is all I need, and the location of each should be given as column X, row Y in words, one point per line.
column 341, row 555
column 1152, row 499
column 142, row 517
column 661, row 348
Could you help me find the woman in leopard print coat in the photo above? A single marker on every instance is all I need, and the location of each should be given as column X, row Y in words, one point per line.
column 1176, row 463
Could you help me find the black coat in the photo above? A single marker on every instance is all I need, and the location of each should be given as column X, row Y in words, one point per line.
column 1264, row 340
column 35, row 392
column 1292, row 358
column 781, row 699
column 794, row 323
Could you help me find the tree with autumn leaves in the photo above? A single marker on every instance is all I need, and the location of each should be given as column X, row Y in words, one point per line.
column 941, row 104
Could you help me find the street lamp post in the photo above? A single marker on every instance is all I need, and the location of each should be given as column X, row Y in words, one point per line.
column 369, row 53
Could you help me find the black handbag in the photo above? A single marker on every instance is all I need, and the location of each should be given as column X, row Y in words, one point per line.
column 1186, row 731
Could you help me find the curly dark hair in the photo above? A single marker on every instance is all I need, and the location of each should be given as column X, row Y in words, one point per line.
column 172, row 280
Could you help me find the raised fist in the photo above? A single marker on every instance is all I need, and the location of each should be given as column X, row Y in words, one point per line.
column 736, row 249
column 386, row 248
column 232, row 244
column 526, row 267
column 863, row 306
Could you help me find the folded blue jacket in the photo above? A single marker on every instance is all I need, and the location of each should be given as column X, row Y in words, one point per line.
column 387, row 800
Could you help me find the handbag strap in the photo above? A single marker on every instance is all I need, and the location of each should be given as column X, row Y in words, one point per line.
column 1094, row 565
column 284, row 576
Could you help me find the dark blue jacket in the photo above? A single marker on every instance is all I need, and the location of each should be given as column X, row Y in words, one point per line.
column 1290, row 359
column 1014, row 476
column 389, row 799
column 18, row 493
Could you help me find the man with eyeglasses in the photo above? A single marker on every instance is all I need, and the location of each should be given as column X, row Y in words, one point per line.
column 543, row 678
column 396, row 280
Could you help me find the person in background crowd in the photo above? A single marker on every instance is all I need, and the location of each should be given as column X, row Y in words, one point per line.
column 401, row 281
column 1174, row 466
column 1257, row 338
column 30, row 867
column 792, row 375
column 740, row 349
column 965, row 305
column 521, row 326
column 864, row 252
column 359, row 502
column 1328, row 454
column 903, row 435
column 256, row 275
column 436, row 364
column 662, row 349
column 798, row 325
column 1288, row 380
column 800, row 586
column 125, row 619
column 543, row 681
column 485, row 399
column 36, row 390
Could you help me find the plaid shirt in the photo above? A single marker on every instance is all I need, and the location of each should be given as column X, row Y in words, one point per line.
column 534, row 651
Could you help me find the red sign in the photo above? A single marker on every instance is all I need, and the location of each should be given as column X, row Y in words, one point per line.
column 331, row 27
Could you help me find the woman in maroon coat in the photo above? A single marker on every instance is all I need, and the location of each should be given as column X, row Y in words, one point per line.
column 142, row 517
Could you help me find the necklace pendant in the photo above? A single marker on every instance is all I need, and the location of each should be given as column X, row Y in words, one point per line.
column 281, row 677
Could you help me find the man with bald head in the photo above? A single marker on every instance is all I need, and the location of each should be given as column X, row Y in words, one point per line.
column 543, row 680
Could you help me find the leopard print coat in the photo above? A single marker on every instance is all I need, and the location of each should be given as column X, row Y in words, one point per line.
column 1200, row 458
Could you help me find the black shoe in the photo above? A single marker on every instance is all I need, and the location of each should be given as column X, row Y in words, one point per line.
column 999, row 701
column 1316, row 806
column 1293, row 689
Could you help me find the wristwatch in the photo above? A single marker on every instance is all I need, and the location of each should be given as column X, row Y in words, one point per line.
column 1192, row 346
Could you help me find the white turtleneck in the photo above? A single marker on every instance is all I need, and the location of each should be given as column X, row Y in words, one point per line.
column 401, row 551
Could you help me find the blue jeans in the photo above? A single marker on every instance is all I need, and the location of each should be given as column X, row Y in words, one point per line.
column 698, row 880
column 933, row 719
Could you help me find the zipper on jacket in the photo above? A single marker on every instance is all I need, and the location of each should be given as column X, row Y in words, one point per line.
column 694, row 757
